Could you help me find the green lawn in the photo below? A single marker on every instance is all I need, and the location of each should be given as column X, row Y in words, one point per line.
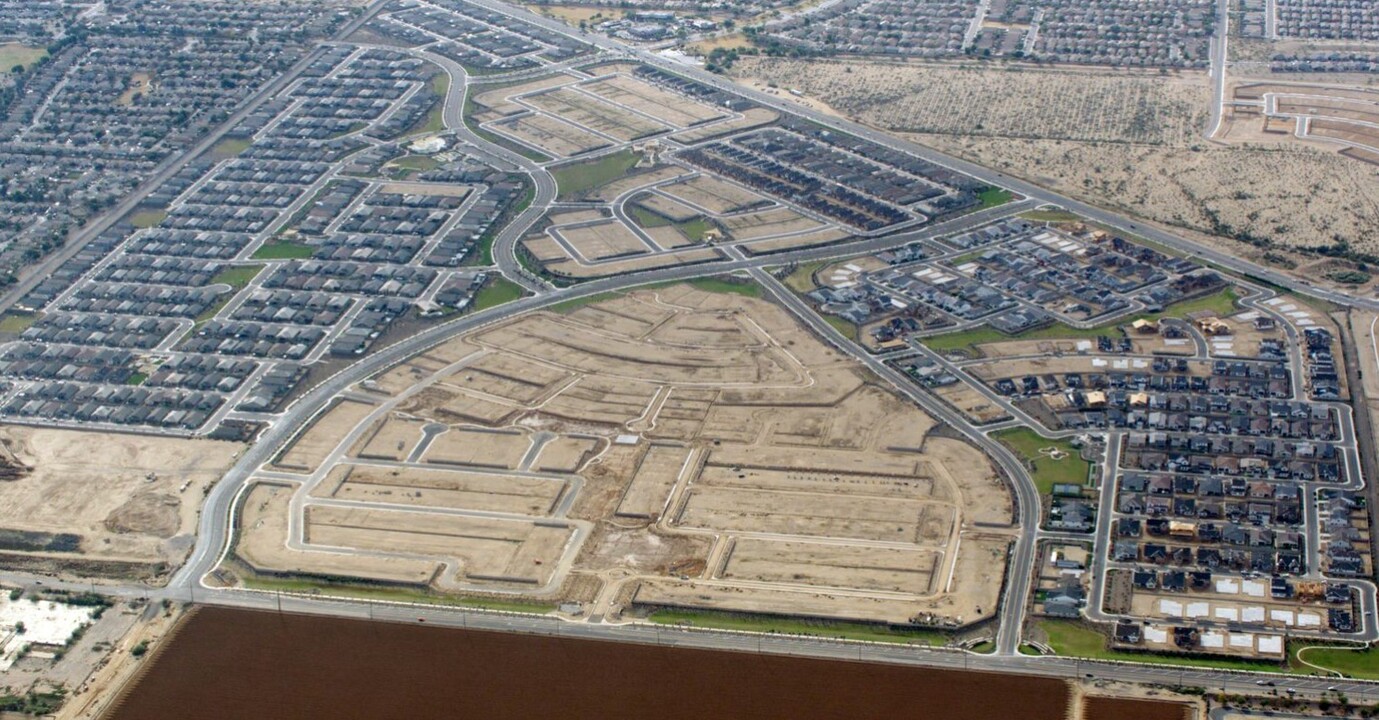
column 795, row 626
column 435, row 119
column 420, row 163
column 283, row 250
column 721, row 284
column 647, row 218
column 1073, row 639
column 1357, row 663
column 1223, row 302
column 985, row 647
column 17, row 322
column 968, row 339
column 696, row 229
column 1051, row 216
column 801, row 279
column 578, row 179
column 237, row 276
column 846, row 327
column 229, row 147
column 1045, row 471
column 12, row 54
column 495, row 292
column 145, row 219
column 369, row 592
column 993, row 196
column 137, row 378
column 211, row 311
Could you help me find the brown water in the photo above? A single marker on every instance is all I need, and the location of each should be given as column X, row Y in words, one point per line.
column 241, row 664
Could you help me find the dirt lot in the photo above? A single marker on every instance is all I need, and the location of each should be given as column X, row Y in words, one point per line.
column 650, row 488
column 565, row 454
column 442, row 488
column 604, row 240
column 665, row 207
column 828, row 565
column 783, row 478
column 972, row 404
column 501, row 551
column 590, row 112
column 716, row 196
column 263, row 524
column 150, row 490
column 668, row 107
column 559, row 263
column 550, row 135
column 479, row 448
column 392, row 438
column 769, row 223
column 499, row 105
column 754, row 117
column 310, row 449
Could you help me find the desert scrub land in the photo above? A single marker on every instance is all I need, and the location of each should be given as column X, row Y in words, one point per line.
column 1292, row 197
column 1001, row 101
column 1128, row 141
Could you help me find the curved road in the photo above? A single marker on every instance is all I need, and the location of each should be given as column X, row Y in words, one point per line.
column 215, row 525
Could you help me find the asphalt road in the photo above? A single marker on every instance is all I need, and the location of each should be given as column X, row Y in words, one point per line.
column 1030, row 190
column 1027, row 506
column 216, row 524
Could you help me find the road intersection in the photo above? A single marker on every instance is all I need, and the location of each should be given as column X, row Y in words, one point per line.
column 216, row 525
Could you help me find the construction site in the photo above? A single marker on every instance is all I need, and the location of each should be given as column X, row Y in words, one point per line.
column 668, row 447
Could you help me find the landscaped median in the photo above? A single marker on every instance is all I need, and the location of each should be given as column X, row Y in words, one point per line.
column 798, row 626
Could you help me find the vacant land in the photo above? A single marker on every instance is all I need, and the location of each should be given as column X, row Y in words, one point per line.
column 150, row 490
column 591, row 112
column 1009, row 102
column 550, row 135
column 426, row 487
column 603, row 240
column 725, row 458
column 666, row 106
column 313, row 445
column 1130, row 142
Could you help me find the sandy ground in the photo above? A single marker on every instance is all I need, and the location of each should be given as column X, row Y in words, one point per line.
column 668, row 107
column 1128, row 141
column 555, row 138
column 442, row 488
column 783, row 477
column 754, row 117
column 594, row 114
column 262, row 545
column 150, row 490
column 1012, row 101
column 310, row 448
